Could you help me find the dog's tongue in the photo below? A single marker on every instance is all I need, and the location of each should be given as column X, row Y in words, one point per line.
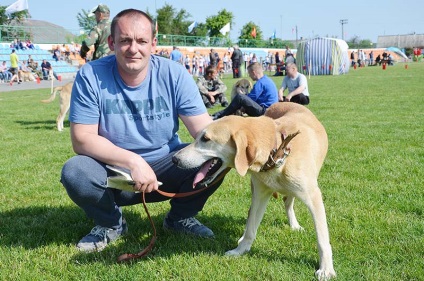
column 202, row 172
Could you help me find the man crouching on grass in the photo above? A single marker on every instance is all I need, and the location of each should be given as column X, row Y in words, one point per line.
column 124, row 112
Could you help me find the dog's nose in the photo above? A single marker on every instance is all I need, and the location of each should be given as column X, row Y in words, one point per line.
column 175, row 160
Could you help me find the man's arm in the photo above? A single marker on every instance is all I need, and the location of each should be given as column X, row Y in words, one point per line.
column 200, row 84
column 220, row 86
column 299, row 90
column 86, row 141
column 195, row 124
column 281, row 93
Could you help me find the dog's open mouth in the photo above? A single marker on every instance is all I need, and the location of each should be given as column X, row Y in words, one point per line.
column 208, row 172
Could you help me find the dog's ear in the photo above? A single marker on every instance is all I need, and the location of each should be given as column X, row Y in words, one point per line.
column 245, row 152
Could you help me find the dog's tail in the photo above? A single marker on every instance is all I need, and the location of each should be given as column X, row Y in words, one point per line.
column 53, row 95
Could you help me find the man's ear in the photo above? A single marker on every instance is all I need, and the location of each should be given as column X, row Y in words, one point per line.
column 111, row 43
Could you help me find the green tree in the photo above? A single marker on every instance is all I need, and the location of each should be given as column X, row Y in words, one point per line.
column 355, row 42
column 246, row 31
column 14, row 18
column 171, row 21
column 246, row 38
column 215, row 23
column 86, row 20
column 12, row 21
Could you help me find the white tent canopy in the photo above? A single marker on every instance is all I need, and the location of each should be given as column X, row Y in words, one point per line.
column 323, row 56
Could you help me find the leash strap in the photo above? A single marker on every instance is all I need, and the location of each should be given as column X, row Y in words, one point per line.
column 277, row 156
column 149, row 248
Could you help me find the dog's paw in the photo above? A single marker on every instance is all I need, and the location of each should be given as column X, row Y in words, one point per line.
column 233, row 253
column 325, row 274
column 296, row 228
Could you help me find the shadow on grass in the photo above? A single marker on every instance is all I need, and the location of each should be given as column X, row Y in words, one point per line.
column 36, row 227
column 44, row 125
column 39, row 226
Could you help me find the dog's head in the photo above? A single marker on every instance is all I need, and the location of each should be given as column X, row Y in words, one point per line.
column 242, row 86
column 230, row 142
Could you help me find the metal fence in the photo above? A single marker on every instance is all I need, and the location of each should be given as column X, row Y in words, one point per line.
column 53, row 34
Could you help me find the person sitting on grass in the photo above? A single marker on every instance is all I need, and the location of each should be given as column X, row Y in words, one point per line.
column 211, row 88
column 297, row 86
column 262, row 96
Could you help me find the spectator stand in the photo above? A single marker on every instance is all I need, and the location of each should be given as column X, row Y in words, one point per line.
column 64, row 69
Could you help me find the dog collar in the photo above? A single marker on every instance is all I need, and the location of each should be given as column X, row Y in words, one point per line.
column 278, row 156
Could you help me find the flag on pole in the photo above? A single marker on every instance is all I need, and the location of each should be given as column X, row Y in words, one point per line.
column 273, row 36
column 192, row 26
column 18, row 6
column 225, row 29
column 253, row 33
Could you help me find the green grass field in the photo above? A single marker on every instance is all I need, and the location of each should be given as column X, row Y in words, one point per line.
column 372, row 183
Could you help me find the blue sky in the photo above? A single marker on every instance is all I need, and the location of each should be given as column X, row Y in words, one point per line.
column 366, row 19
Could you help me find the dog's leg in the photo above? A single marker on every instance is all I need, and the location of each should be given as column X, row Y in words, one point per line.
column 260, row 197
column 64, row 107
column 289, row 203
column 315, row 205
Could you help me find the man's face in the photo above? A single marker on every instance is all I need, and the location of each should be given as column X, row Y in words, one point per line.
column 252, row 74
column 133, row 44
column 212, row 76
column 98, row 16
column 291, row 71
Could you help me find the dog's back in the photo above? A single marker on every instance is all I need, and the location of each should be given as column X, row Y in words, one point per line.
column 53, row 94
column 292, row 117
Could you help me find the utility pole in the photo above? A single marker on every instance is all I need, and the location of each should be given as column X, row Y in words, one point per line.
column 296, row 37
column 343, row 22
column 281, row 26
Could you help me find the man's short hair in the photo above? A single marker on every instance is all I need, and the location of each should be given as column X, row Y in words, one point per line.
column 290, row 65
column 255, row 66
column 131, row 13
column 210, row 69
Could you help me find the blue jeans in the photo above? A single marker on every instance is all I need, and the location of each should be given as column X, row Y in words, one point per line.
column 84, row 179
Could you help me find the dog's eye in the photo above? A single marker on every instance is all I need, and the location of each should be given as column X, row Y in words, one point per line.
column 204, row 138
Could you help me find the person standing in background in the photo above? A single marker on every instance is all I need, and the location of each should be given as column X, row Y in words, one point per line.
column 98, row 35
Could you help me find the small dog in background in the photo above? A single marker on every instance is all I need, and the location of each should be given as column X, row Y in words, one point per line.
column 242, row 87
column 64, row 102
column 26, row 76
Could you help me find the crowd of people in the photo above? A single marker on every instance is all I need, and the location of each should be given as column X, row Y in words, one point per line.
column 19, row 71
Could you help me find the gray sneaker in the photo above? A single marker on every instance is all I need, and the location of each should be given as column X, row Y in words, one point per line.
column 99, row 237
column 189, row 226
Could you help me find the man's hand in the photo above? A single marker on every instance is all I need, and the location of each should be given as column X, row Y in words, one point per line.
column 144, row 177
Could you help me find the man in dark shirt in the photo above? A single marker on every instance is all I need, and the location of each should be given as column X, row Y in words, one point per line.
column 237, row 59
column 46, row 67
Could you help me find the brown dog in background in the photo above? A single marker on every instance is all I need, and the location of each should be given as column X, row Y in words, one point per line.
column 247, row 144
column 64, row 102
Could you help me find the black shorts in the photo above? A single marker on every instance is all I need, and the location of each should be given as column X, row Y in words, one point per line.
column 13, row 70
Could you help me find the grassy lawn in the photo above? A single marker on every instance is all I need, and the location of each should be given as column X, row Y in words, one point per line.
column 372, row 183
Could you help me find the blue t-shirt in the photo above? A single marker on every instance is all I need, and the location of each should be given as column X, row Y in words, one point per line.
column 264, row 92
column 142, row 119
column 176, row 55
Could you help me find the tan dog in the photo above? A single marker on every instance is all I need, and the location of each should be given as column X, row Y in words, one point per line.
column 242, row 87
column 26, row 76
column 246, row 143
column 64, row 102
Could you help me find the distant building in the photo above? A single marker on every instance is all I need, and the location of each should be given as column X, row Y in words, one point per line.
column 401, row 41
